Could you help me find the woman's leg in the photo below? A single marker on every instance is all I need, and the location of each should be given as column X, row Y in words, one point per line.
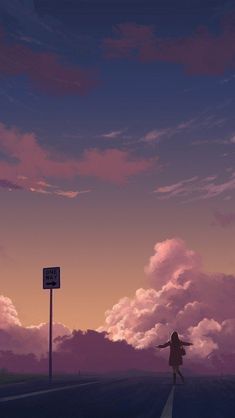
column 174, row 375
column 180, row 374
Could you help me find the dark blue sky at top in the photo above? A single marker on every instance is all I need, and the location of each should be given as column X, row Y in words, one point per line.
column 132, row 97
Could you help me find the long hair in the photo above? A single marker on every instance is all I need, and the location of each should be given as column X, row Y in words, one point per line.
column 175, row 338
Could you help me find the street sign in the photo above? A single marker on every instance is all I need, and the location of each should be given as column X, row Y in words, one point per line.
column 51, row 278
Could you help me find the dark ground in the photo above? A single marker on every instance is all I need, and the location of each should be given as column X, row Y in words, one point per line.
column 132, row 397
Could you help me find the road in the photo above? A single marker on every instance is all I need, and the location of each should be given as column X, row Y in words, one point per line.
column 134, row 397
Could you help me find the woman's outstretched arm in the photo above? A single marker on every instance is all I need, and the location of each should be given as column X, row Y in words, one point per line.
column 163, row 345
column 185, row 343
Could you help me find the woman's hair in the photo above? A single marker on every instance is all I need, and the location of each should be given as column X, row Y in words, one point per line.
column 175, row 338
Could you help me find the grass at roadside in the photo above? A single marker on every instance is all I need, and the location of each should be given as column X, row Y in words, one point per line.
column 8, row 377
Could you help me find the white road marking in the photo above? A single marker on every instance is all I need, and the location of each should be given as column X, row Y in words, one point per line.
column 42, row 392
column 167, row 410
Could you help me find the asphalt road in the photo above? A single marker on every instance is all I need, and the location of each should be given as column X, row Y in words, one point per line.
column 135, row 397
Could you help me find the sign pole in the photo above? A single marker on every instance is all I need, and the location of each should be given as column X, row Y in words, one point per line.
column 51, row 280
column 50, row 335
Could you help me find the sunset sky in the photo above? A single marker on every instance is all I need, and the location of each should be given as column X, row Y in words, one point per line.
column 117, row 134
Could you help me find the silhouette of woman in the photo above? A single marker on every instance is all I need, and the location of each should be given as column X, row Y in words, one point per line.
column 176, row 353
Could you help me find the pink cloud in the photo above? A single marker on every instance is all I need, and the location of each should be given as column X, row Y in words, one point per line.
column 113, row 165
column 224, row 219
column 201, row 53
column 182, row 297
column 45, row 70
column 33, row 165
column 25, row 348
column 171, row 258
column 8, row 313
column 70, row 193
column 19, row 339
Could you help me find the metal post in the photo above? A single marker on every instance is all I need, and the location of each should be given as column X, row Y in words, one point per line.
column 50, row 335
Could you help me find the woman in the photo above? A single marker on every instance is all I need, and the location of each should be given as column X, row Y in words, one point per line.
column 176, row 353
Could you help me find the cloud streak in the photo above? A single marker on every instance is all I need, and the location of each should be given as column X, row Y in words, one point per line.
column 195, row 188
column 201, row 53
column 112, row 134
column 156, row 135
column 44, row 70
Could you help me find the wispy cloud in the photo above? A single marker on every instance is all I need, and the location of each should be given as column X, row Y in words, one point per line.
column 70, row 193
column 180, row 188
column 156, row 135
column 112, row 134
column 196, row 188
column 227, row 141
column 47, row 188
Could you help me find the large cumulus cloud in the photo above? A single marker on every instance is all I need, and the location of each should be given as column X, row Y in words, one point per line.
column 199, row 305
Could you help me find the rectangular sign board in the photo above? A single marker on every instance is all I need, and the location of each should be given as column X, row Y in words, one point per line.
column 51, row 278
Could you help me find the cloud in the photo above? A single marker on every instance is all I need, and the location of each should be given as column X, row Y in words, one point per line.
column 112, row 134
column 171, row 258
column 182, row 297
column 29, row 166
column 201, row 53
column 6, row 184
column 197, row 189
column 25, row 348
column 112, row 165
column 201, row 334
column 46, row 188
column 70, row 193
column 8, row 314
column 45, row 70
column 23, row 340
column 224, row 219
column 180, row 188
column 156, row 135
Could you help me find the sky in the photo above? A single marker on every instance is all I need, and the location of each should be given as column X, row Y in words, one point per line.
column 117, row 151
